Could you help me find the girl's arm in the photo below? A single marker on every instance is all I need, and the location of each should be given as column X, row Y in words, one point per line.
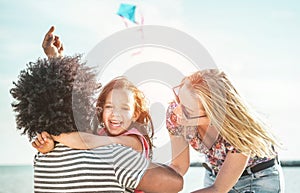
column 232, row 169
column 82, row 140
column 43, row 143
column 180, row 154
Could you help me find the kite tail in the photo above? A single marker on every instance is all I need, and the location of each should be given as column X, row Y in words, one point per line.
column 141, row 32
column 125, row 21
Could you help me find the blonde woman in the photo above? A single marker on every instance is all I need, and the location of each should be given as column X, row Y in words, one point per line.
column 210, row 115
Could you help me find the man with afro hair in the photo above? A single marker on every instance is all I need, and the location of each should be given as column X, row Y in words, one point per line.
column 56, row 95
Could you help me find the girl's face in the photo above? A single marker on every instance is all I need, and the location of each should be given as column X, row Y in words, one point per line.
column 190, row 111
column 119, row 111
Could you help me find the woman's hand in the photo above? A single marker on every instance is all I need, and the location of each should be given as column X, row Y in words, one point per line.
column 52, row 45
column 43, row 143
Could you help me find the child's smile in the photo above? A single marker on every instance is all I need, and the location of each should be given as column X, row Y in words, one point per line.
column 118, row 111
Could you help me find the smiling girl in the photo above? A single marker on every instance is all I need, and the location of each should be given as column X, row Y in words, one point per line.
column 123, row 118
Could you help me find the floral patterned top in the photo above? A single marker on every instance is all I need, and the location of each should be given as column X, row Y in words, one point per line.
column 215, row 155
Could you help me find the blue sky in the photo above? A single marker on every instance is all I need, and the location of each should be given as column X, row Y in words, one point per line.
column 255, row 42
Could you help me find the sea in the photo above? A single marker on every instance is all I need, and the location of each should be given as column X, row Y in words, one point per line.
column 19, row 179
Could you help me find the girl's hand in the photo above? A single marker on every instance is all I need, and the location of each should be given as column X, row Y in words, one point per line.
column 43, row 143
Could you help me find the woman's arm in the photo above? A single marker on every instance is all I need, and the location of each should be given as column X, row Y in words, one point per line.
column 180, row 154
column 82, row 140
column 232, row 169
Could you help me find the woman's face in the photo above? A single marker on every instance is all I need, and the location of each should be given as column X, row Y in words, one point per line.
column 190, row 111
column 118, row 111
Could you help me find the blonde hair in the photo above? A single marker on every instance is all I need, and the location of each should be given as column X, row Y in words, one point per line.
column 229, row 114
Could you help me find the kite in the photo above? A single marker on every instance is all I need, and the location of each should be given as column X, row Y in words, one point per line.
column 127, row 11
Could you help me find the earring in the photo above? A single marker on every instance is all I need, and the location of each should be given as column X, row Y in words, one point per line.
column 101, row 125
column 99, row 111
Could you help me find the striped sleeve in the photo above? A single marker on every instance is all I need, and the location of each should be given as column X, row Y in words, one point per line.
column 130, row 166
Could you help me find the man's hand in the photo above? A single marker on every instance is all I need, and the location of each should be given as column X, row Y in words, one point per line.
column 52, row 45
column 43, row 143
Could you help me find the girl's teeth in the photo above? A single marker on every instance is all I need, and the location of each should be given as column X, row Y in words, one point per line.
column 116, row 123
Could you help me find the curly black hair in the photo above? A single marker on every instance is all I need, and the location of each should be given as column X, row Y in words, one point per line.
column 54, row 95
